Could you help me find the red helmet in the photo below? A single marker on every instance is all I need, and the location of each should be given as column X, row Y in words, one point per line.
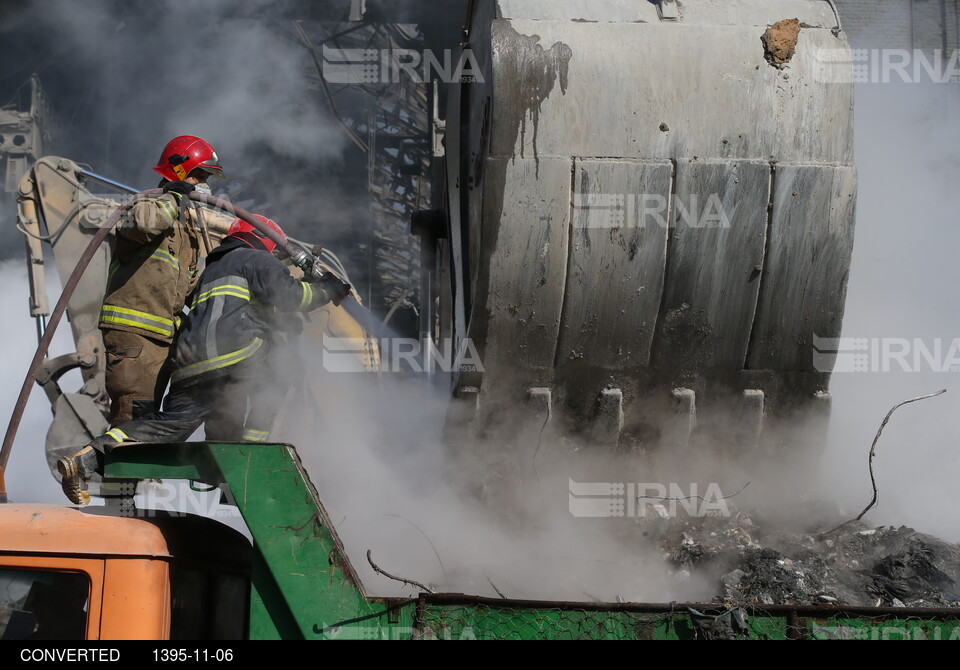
column 185, row 153
column 252, row 236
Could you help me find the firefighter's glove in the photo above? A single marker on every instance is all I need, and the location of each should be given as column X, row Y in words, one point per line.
column 179, row 188
column 335, row 289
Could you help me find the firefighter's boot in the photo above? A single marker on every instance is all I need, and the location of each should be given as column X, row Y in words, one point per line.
column 75, row 471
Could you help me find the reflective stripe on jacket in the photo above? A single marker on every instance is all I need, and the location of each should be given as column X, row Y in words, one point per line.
column 153, row 271
column 233, row 309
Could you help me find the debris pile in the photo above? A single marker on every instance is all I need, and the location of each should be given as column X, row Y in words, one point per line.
column 855, row 565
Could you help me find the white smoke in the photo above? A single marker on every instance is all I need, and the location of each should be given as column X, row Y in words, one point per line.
column 392, row 485
column 903, row 286
column 28, row 478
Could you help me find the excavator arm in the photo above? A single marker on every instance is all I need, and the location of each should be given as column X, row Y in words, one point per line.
column 55, row 209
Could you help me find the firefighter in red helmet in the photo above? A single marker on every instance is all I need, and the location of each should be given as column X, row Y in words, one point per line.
column 153, row 270
column 253, row 237
column 222, row 361
column 185, row 154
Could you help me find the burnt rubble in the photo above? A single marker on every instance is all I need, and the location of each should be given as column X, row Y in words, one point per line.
column 857, row 565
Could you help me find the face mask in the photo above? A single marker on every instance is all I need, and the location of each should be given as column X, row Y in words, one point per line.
column 203, row 188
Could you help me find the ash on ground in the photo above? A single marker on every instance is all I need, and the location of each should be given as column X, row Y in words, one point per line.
column 857, row 565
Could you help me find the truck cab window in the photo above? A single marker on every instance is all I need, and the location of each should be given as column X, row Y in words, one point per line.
column 43, row 605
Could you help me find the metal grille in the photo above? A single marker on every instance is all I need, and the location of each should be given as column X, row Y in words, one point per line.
column 388, row 116
column 16, row 167
column 486, row 619
column 482, row 622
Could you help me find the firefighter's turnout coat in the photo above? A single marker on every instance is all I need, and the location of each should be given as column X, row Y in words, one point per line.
column 153, row 271
column 233, row 310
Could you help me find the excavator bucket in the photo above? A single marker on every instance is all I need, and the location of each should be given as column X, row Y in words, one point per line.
column 651, row 217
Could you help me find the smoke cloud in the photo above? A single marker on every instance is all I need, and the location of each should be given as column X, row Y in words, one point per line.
column 124, row 79
column 482, row 522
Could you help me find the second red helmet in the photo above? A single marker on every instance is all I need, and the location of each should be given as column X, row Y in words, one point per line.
column 249, row 234
column 184, row 154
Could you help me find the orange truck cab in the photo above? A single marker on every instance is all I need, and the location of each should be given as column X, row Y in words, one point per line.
column 67, row 573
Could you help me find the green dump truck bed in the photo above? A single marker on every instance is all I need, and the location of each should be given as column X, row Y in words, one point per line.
column 305, row 587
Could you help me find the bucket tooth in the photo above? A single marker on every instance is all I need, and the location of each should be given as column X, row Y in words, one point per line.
column 609, row 419
column 464, row 409
column 540, row 401
column 751, row 417
column 820, row 420
column 682, row 419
